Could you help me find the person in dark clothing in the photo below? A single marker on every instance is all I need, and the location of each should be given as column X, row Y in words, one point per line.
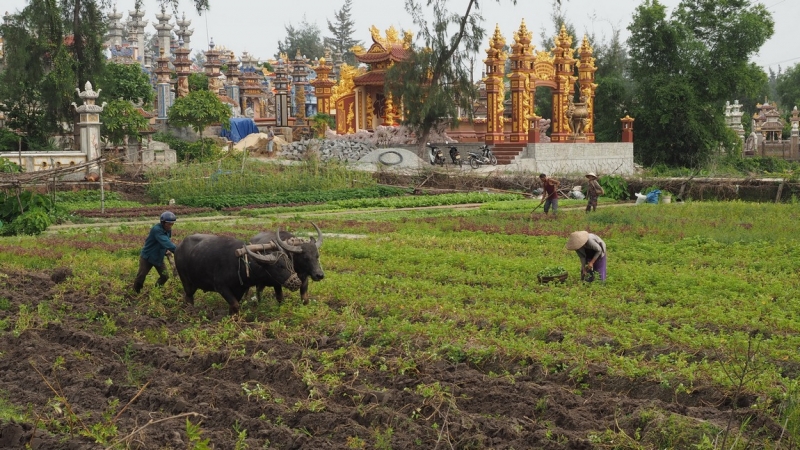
column 594, row 191
column 550, row 196
column 156, row 246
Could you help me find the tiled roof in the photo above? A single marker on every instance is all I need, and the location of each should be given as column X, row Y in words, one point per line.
column 395, row 53
column 374, row 78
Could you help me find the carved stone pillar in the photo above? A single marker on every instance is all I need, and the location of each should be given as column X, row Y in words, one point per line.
column 89, row 125
column 281, row 95
column 520, row 80
column 565, row 89
column 586, row 70
column 182, row 69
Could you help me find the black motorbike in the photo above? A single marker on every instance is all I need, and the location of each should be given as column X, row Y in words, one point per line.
column 455, row 155
column 484, row 156
column 435, row 154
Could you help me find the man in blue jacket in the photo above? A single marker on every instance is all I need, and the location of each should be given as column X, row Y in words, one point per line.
column 156, row 246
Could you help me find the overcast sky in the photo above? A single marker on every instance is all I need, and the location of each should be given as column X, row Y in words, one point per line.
column 256, row 26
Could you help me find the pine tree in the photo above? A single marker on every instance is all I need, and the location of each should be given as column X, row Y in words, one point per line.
column 342, row 29
column 307, row 39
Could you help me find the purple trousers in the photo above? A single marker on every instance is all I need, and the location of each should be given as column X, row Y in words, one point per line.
column 600, row 267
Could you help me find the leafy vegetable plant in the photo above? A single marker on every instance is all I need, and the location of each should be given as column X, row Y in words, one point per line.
column 552, row 271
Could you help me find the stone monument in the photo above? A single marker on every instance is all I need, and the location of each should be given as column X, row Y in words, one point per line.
column 90, row 128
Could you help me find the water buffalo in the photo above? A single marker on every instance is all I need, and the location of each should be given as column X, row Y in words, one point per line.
column 304, row 255
column 210, row 263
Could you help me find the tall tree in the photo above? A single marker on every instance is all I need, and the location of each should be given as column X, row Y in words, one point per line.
column 614, row 88
column 787, row 88
column 684, row 70
column 342, row 30
column 39, row 81
column 434, row 82
column 199, row 58
column 307, row 39
column 86, row 41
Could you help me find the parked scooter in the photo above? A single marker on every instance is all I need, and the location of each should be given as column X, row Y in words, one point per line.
column 485, row 156
column 436, row 155
column 455, row 155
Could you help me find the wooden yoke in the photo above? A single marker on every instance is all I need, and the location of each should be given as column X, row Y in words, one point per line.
column 256, row 248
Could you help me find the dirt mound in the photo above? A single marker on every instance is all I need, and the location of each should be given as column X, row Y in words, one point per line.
column 80, row 380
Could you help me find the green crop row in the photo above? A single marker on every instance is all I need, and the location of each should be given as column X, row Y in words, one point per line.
column 232, row 176
column 284, row 198
column 426, row 200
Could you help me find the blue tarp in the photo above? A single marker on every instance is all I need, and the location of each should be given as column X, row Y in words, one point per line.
column 240, row 128
column 652, row 197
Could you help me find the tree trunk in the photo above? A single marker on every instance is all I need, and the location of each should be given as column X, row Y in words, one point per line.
column 77, row 44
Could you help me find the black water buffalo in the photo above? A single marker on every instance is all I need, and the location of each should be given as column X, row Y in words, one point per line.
column 304, row 255
column 210, row 263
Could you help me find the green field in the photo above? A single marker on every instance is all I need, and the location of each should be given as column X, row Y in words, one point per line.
column 699, row 296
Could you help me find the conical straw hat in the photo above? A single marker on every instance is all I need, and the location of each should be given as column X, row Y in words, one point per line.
column 577, row 239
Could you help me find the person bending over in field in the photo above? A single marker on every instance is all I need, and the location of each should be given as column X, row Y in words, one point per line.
column 592, row 252
column 156, row 246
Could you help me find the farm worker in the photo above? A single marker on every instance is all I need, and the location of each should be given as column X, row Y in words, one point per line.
column 156, row 246
column 592, row 252
column 595, row 190
column 550, row 197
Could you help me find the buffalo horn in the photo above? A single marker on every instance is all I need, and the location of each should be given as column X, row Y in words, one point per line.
column 318, row 243
column 271, row 246
column 266, row 259
column 286, row 246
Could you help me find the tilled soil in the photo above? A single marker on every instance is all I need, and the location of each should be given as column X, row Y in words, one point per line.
column 65, row 375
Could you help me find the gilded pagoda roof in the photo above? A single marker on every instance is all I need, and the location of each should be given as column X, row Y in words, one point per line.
column 390, row 47
column 377, row 53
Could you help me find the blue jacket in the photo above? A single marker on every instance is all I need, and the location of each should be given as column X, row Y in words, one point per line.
column 156, row 245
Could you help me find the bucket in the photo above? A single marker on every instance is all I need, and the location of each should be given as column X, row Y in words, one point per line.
column 666, row 200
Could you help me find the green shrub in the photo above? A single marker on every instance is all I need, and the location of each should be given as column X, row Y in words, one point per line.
column 9, row 141
column 185, row 151
column 615, row 187
column 14, row 205
column 8, row 166
column 31, row 222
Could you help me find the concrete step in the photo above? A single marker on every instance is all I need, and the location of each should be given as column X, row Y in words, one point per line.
column 506, row 153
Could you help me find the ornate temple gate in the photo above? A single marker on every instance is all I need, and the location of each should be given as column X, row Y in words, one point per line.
column 571, row 122
column 360, row 103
